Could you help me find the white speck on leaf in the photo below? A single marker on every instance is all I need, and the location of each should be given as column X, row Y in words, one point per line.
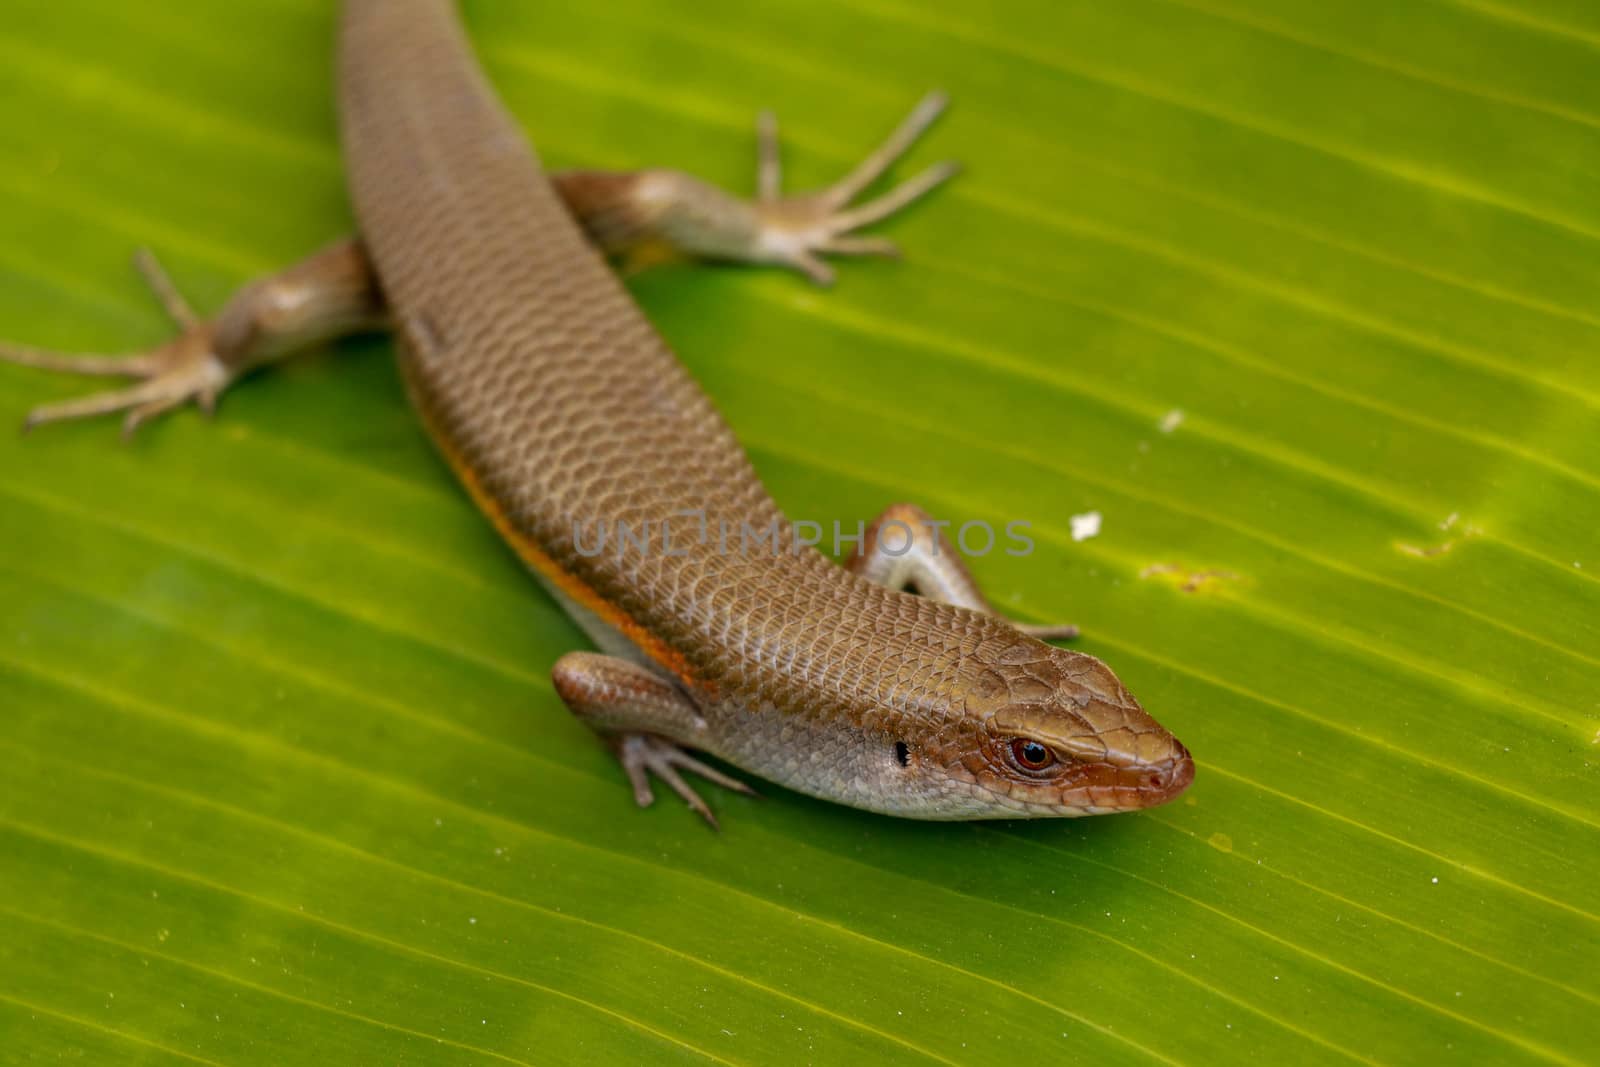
column 1085, row 526
column 1171, row 420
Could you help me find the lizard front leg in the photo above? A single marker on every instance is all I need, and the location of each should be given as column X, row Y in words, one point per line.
column 904, row 548
column 645, row 718
column 632, row 212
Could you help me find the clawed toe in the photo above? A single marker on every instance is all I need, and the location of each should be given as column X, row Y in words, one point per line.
column 184, row 369
column 1049, row 632
column 173, row 375
column 642, row 755
column 797, row 231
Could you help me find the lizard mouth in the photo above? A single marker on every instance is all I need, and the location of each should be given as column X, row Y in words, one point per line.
column 1097, row 786
column 1132, row 786
column 1167, row 780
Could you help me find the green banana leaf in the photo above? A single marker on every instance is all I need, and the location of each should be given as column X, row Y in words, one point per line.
column 1300, row 298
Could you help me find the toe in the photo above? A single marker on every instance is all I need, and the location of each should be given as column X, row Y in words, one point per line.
column 680, row 758
column 861, row 246
column 814, row 268
column 669, row 774
column 642, row 755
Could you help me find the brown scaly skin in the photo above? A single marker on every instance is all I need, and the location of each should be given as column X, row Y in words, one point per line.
column 559, row 407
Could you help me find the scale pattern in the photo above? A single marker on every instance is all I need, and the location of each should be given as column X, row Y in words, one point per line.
column 558, row 403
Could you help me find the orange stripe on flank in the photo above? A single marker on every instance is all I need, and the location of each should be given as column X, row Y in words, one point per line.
column 658, row 650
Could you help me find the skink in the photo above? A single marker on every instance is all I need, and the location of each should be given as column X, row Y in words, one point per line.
column 562, row 411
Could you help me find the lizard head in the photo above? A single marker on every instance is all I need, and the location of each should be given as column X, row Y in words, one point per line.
column 1047, row 732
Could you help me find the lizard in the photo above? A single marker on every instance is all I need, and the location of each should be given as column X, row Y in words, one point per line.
column 888, row 683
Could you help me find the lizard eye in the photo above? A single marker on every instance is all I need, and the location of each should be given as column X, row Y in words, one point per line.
column 1031, row 755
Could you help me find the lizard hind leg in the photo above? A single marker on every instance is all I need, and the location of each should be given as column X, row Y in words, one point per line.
column 639, row 213
column 167, row 375
column 327, row 294
column 797, row 231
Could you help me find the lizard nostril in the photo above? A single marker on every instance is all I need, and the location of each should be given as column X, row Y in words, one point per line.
column 1176, row 780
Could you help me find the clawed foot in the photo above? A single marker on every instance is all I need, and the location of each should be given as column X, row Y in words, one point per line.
column 644, row 754
column 183, row 369
column 797, row 231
